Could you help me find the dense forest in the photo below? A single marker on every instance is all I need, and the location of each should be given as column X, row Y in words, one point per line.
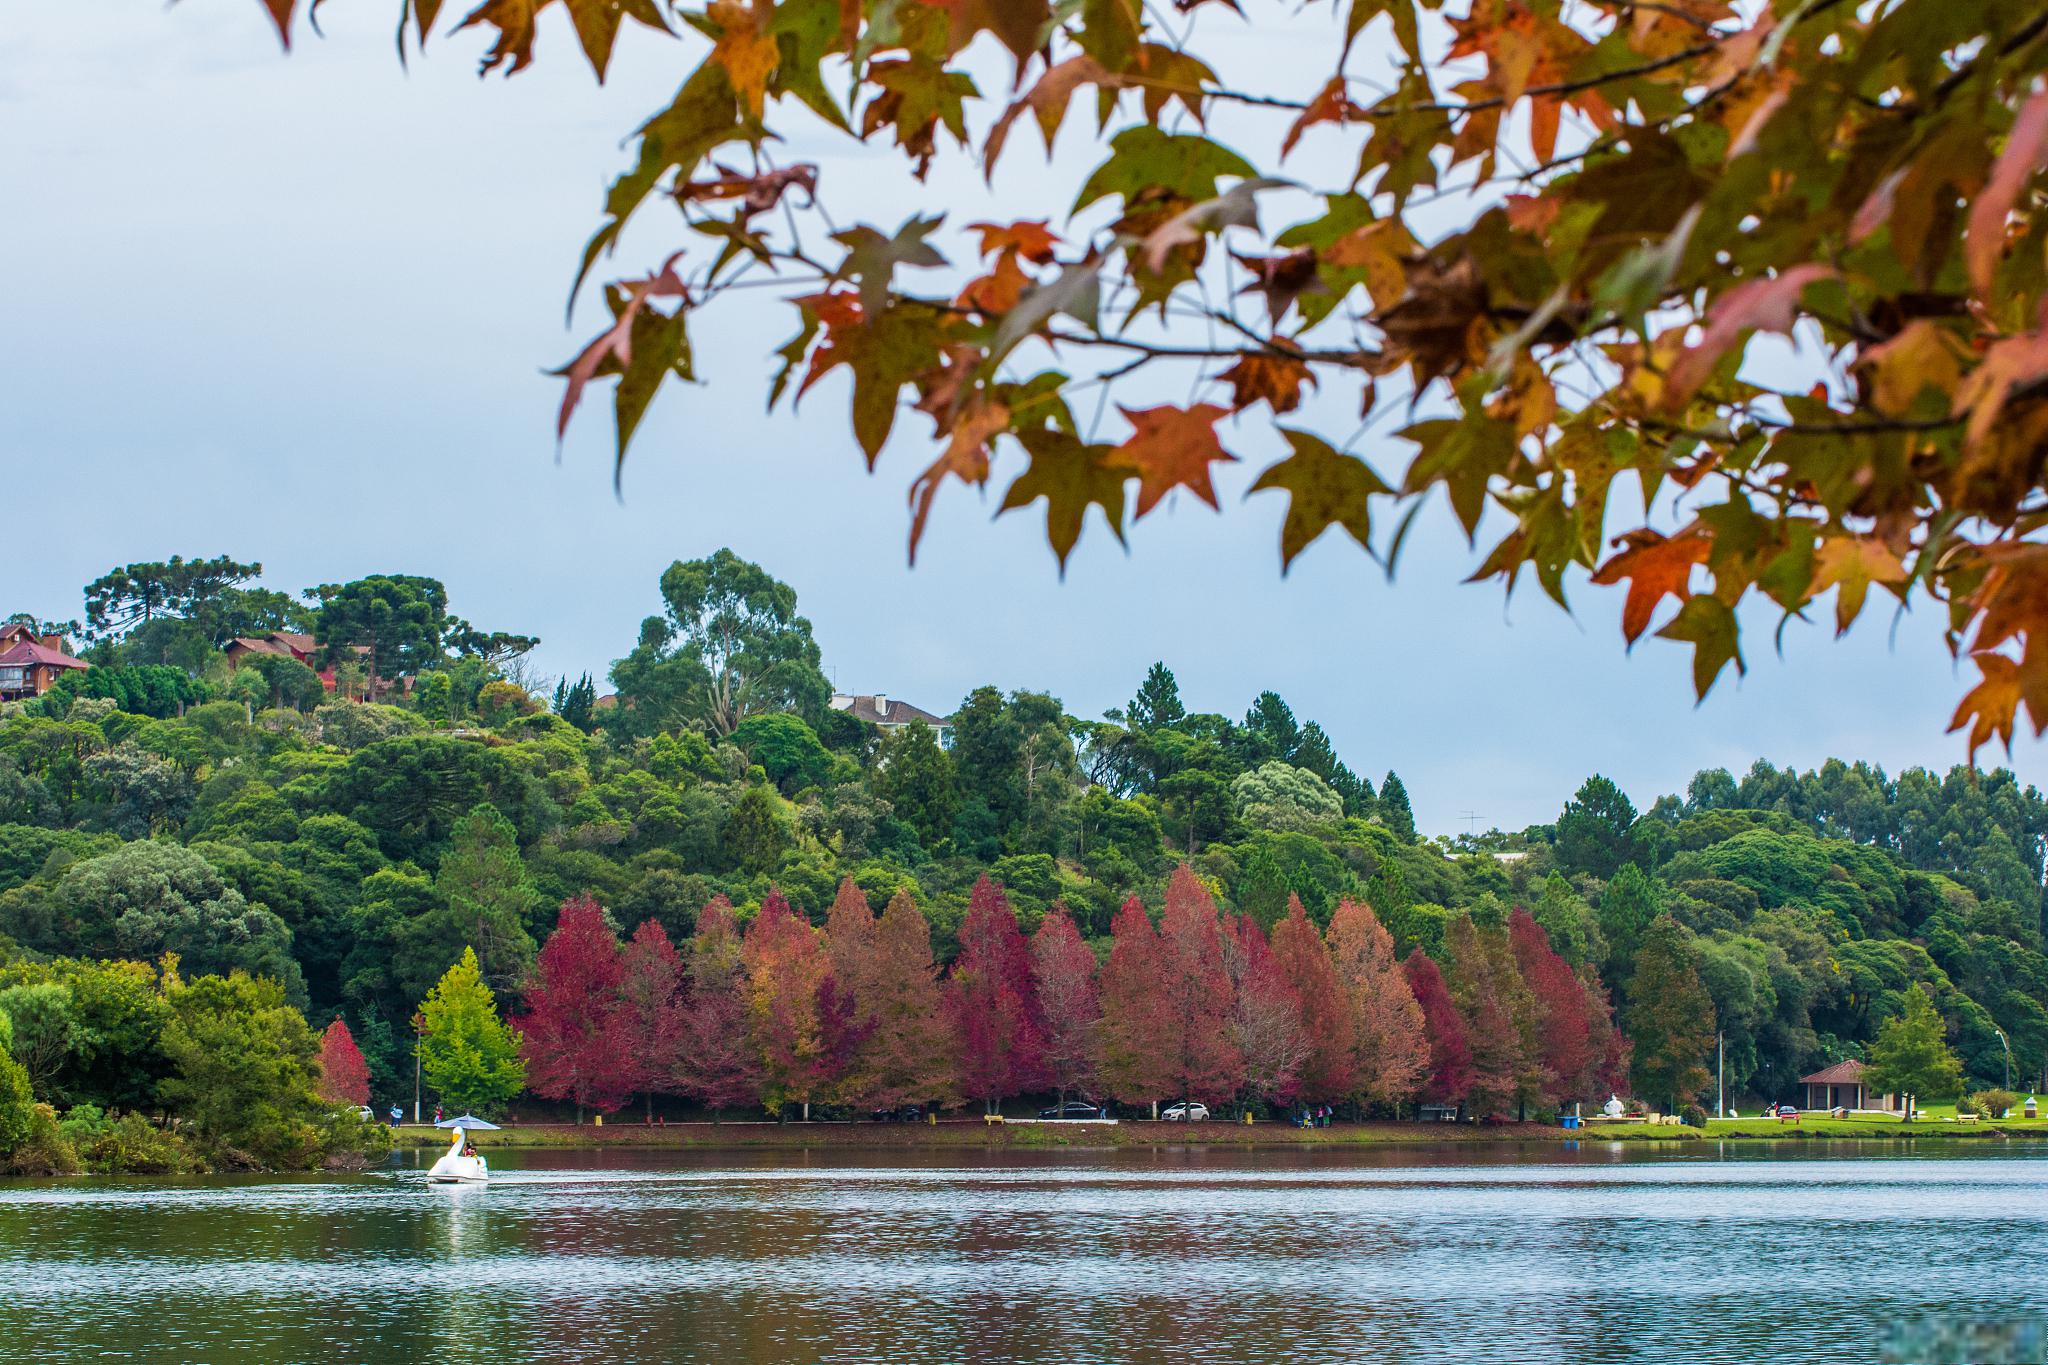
column 328, row 838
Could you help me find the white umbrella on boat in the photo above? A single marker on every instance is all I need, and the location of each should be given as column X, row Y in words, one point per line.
column 462, row 1165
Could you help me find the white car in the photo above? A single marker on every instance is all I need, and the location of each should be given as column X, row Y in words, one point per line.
column 1187, row 1111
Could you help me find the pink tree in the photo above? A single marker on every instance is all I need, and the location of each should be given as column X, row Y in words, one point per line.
column 652, row 1010
column 1132, row 1059
column 571, row 1049
column 1202, row 1057
column 906, row 1051
column 1266, row 1023
column 344, row 1076
column 716, row 1061
column 1063, row 976
column 1564, row 1031
column 1450, row 1055
column 787, row 973
column 992, row 1003
column 1299, row 951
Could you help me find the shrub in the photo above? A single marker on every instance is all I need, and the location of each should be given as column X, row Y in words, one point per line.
column 129, row 1144
column 1695, row 1116
column 43, row 1151
column 1990, row 1104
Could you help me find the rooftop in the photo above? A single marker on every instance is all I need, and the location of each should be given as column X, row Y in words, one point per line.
column 882, row 709
column 1841, row 1073
column 31, row 652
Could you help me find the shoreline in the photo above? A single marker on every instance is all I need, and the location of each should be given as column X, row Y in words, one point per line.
column 961, row 1134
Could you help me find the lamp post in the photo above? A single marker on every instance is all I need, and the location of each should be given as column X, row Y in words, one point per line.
column 2006, row 1043
column 419, row 1033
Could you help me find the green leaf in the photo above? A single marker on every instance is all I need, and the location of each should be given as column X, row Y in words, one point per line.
column 1326, row 489
column 1708, row 625
column 1072, row 476
column 1145, row 159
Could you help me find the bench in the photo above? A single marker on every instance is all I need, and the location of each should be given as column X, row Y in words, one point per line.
column 1966, row 1118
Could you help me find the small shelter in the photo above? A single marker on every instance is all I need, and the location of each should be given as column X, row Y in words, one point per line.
column 1841, row 1087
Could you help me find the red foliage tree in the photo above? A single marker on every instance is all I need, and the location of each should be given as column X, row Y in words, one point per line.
column 1450, row 1054
column 1202, row 1058
column 1390, row 1039
column 992, row 1003
column 1565, row 1036
column 853, row 944
column 653, row 1010
column 570, row 1042
column 1131, row 1060
column 1266, row 1025
column 344, row 1076
column 717, row 1062
column 1063, row 976
column 1328, row 1071
column 905, row 1053
column 787, row 972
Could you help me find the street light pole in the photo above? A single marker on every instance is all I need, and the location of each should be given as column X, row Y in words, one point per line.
column 1720, row 1074
column 419, row 1025
column 2007, row 1044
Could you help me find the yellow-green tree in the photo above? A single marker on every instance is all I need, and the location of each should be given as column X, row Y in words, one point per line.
column 1911, row 1056
column 467, row 1054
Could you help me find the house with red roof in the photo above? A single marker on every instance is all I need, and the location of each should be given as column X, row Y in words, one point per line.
column 1841, row 1087
column 891, row 714
column 30, row 664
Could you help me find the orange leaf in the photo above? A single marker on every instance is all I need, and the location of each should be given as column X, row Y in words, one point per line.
column 1852, row 564
column 281, row 15
column 1656, row 567
column 1173, row 448
column 1331, row 105
column 1991, row 704
column 1027, row 237
column 965, row 458
column 2026, row 151
column 748, row 55
column 1275, row 378
column 1047, row 100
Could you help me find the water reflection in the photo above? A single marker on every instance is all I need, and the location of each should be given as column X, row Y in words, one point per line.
column 1606, row 1253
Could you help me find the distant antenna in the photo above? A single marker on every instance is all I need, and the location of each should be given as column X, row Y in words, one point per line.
column 1471, row 822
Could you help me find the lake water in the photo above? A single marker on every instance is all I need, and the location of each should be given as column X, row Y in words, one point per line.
column 1603, row 1253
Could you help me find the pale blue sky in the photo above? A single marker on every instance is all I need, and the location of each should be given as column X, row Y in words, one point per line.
column 297, row 310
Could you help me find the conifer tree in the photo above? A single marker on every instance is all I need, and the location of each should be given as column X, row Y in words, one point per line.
column 1327, row 1073
column 1670, row 1016
column 992, row 1002
column 1063, row 978
column 1390, row 1044
column 1266, row 1024
column 1393, row 809
column 788, row 973
column 1450, row 1054
column 1132, row 1061
column 1911, row 1056
column 903, row 1046
column 717, row 1062
column 652, row 1010
column 467, row 1055
column 1203, row 1061
column 344, row 1076
column 1497, row 1051
column 1564, row 1036
column 575, row 1037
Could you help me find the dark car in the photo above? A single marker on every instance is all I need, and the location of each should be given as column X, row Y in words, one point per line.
column 1072, row 1109
column 909, row 1113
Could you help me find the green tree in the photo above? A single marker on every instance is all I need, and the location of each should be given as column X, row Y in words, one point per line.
column 467, row 1055
column 397, row 621
column 17, row 1101
column 728, row 645
column 1670, row 1016
column 915, row 776
column 1277, row 796
column 1394, row 810
column 245, row 1068
column 1270, row 732
column 487, row 901
column 757, row 833
column 1593, row 832
column 1157, row 705
column 45, row 1028
column 787, row 750
column 136, row 594
column 1911, row 1056
column 1631, row 902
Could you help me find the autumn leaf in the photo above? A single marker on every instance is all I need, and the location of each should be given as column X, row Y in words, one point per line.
column 745, row 49
column 1656, row 567
column 280, row 12
column 615, row 345
column 1992, row 706
column 872, row 258
column 756, row 193
column 2026, row 151
column 1173, row 448
column 1324, row 489
column 1278, row 379
column 1851, row 564
column 1072, row 475
column 1332, row 104
column 966, row 458
column 1047, row 100
column 1236, row 208
column 1766, row 305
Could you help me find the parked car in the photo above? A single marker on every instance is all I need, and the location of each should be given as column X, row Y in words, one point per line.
column 909, row 1113
column 363, row 1113
column 1073, row 1109
column 1187, row 1111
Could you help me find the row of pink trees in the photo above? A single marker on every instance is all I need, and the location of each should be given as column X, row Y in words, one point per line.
column 1201, row 1005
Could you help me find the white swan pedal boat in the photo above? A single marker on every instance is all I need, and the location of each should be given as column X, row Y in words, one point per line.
column 461, row 1164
